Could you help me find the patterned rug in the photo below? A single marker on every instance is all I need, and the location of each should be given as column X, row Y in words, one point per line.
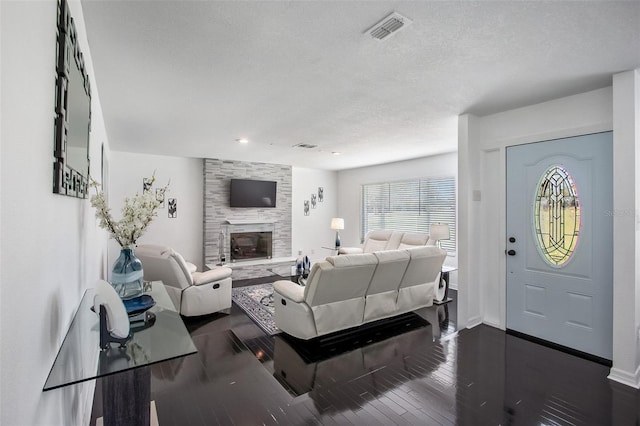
column 257, row 302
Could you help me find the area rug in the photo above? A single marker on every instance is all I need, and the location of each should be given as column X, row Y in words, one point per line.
column 257, row 302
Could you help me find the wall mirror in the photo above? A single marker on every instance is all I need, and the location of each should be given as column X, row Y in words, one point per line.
column 73, row 112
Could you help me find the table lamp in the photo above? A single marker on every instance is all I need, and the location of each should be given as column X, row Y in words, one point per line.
column 439, row 231
column 337, row 223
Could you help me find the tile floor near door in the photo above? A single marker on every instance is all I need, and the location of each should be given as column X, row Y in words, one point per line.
column 427, row 373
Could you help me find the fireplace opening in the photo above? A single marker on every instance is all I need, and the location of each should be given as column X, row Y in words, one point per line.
column 251, row 245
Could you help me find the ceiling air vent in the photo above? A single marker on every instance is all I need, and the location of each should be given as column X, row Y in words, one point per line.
column 388, row 26
column 305, row 145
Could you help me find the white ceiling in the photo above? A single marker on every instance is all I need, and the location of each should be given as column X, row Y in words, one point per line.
column 188, row 78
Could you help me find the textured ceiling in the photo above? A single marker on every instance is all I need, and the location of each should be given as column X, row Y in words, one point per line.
column 188, row 78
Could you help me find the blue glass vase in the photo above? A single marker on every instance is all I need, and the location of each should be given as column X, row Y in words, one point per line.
column 127, row 276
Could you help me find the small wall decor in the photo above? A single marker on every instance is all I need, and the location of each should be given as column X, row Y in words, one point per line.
column 146, row 184
column 173, row 208
column 313, row 201
column 160, row 193
column 320, row 194
column 306, row 207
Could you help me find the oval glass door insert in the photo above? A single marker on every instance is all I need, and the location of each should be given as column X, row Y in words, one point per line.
column 556, row 216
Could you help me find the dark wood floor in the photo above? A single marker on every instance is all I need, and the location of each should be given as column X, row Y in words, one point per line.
column 421, row 373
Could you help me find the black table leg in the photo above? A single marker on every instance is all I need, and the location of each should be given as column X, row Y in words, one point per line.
column 442, row 286
column 126, row 397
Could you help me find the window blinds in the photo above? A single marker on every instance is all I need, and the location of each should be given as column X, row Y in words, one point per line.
column 411, row 206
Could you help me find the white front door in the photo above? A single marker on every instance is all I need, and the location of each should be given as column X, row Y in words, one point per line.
column 560, row 243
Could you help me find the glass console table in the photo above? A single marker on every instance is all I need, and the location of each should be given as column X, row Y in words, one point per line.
column 125, row 372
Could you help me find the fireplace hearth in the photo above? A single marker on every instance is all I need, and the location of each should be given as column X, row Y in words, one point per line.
column 250, row 245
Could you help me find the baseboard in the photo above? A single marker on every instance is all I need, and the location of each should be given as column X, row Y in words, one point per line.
column 494, row 325
column 625, row 378
column 473, row 322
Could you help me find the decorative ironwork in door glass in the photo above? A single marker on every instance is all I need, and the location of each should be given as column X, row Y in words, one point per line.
column 556, row 216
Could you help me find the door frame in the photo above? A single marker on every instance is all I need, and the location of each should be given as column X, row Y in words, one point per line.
column 588, row 112
column 492, row 277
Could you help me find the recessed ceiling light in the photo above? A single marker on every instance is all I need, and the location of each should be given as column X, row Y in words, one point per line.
column 335, row 153
column 242, row 140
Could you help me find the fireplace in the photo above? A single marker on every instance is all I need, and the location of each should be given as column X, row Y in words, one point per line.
column 250, row 245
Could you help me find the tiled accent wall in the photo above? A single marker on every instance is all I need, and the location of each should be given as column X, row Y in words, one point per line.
column 217, row 177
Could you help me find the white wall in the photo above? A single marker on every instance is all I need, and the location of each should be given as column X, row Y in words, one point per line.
column 311, row 233
column 184, row 233
column 482, row 143
column 350, row 190
column 51, row 249
column 626, row 204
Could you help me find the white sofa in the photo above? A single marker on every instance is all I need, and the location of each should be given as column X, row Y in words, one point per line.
column 350, row 290
column 389, row 240
column 193, row 293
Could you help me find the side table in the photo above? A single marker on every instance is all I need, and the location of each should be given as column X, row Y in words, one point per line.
column 125, row 372
column 333, row 250
column 442, row 292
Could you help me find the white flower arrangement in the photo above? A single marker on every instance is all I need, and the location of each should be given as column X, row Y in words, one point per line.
column 137, row 214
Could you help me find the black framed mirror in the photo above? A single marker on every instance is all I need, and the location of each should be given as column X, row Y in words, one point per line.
column 73, row 112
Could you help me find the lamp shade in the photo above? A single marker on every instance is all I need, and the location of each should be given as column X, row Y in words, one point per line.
column 337, row 223
column 439, row 231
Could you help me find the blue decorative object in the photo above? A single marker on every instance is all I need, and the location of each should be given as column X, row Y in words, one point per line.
column 139, row 304
column 126, row 276
column 299, row 263
column 303, row 265
column 306, row 267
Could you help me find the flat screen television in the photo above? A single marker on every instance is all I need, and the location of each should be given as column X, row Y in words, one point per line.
column 253, row 193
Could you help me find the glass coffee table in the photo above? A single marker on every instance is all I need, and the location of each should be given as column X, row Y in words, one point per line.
column 125, row 372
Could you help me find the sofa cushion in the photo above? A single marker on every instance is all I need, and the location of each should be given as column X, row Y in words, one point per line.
column 348, row 260
column 391, row 267
column 413, row 239
column 376, row 240
column 340, row 278
column 372, row 245
column 182, row 264
column 424, row 266
column 394, row 240
column 383, row 290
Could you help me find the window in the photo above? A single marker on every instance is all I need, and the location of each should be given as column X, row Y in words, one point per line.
column 556, row 212
column 411, row 206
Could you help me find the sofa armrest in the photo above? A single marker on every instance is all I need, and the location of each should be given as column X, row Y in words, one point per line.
column 350, row 250
column 191, row 267
column 215, row 274
column 290, row 290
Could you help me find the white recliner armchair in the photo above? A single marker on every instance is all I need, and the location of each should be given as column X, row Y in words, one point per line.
column 192, row 293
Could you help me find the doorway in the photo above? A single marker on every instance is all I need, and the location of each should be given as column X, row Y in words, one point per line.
column 559, row 242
